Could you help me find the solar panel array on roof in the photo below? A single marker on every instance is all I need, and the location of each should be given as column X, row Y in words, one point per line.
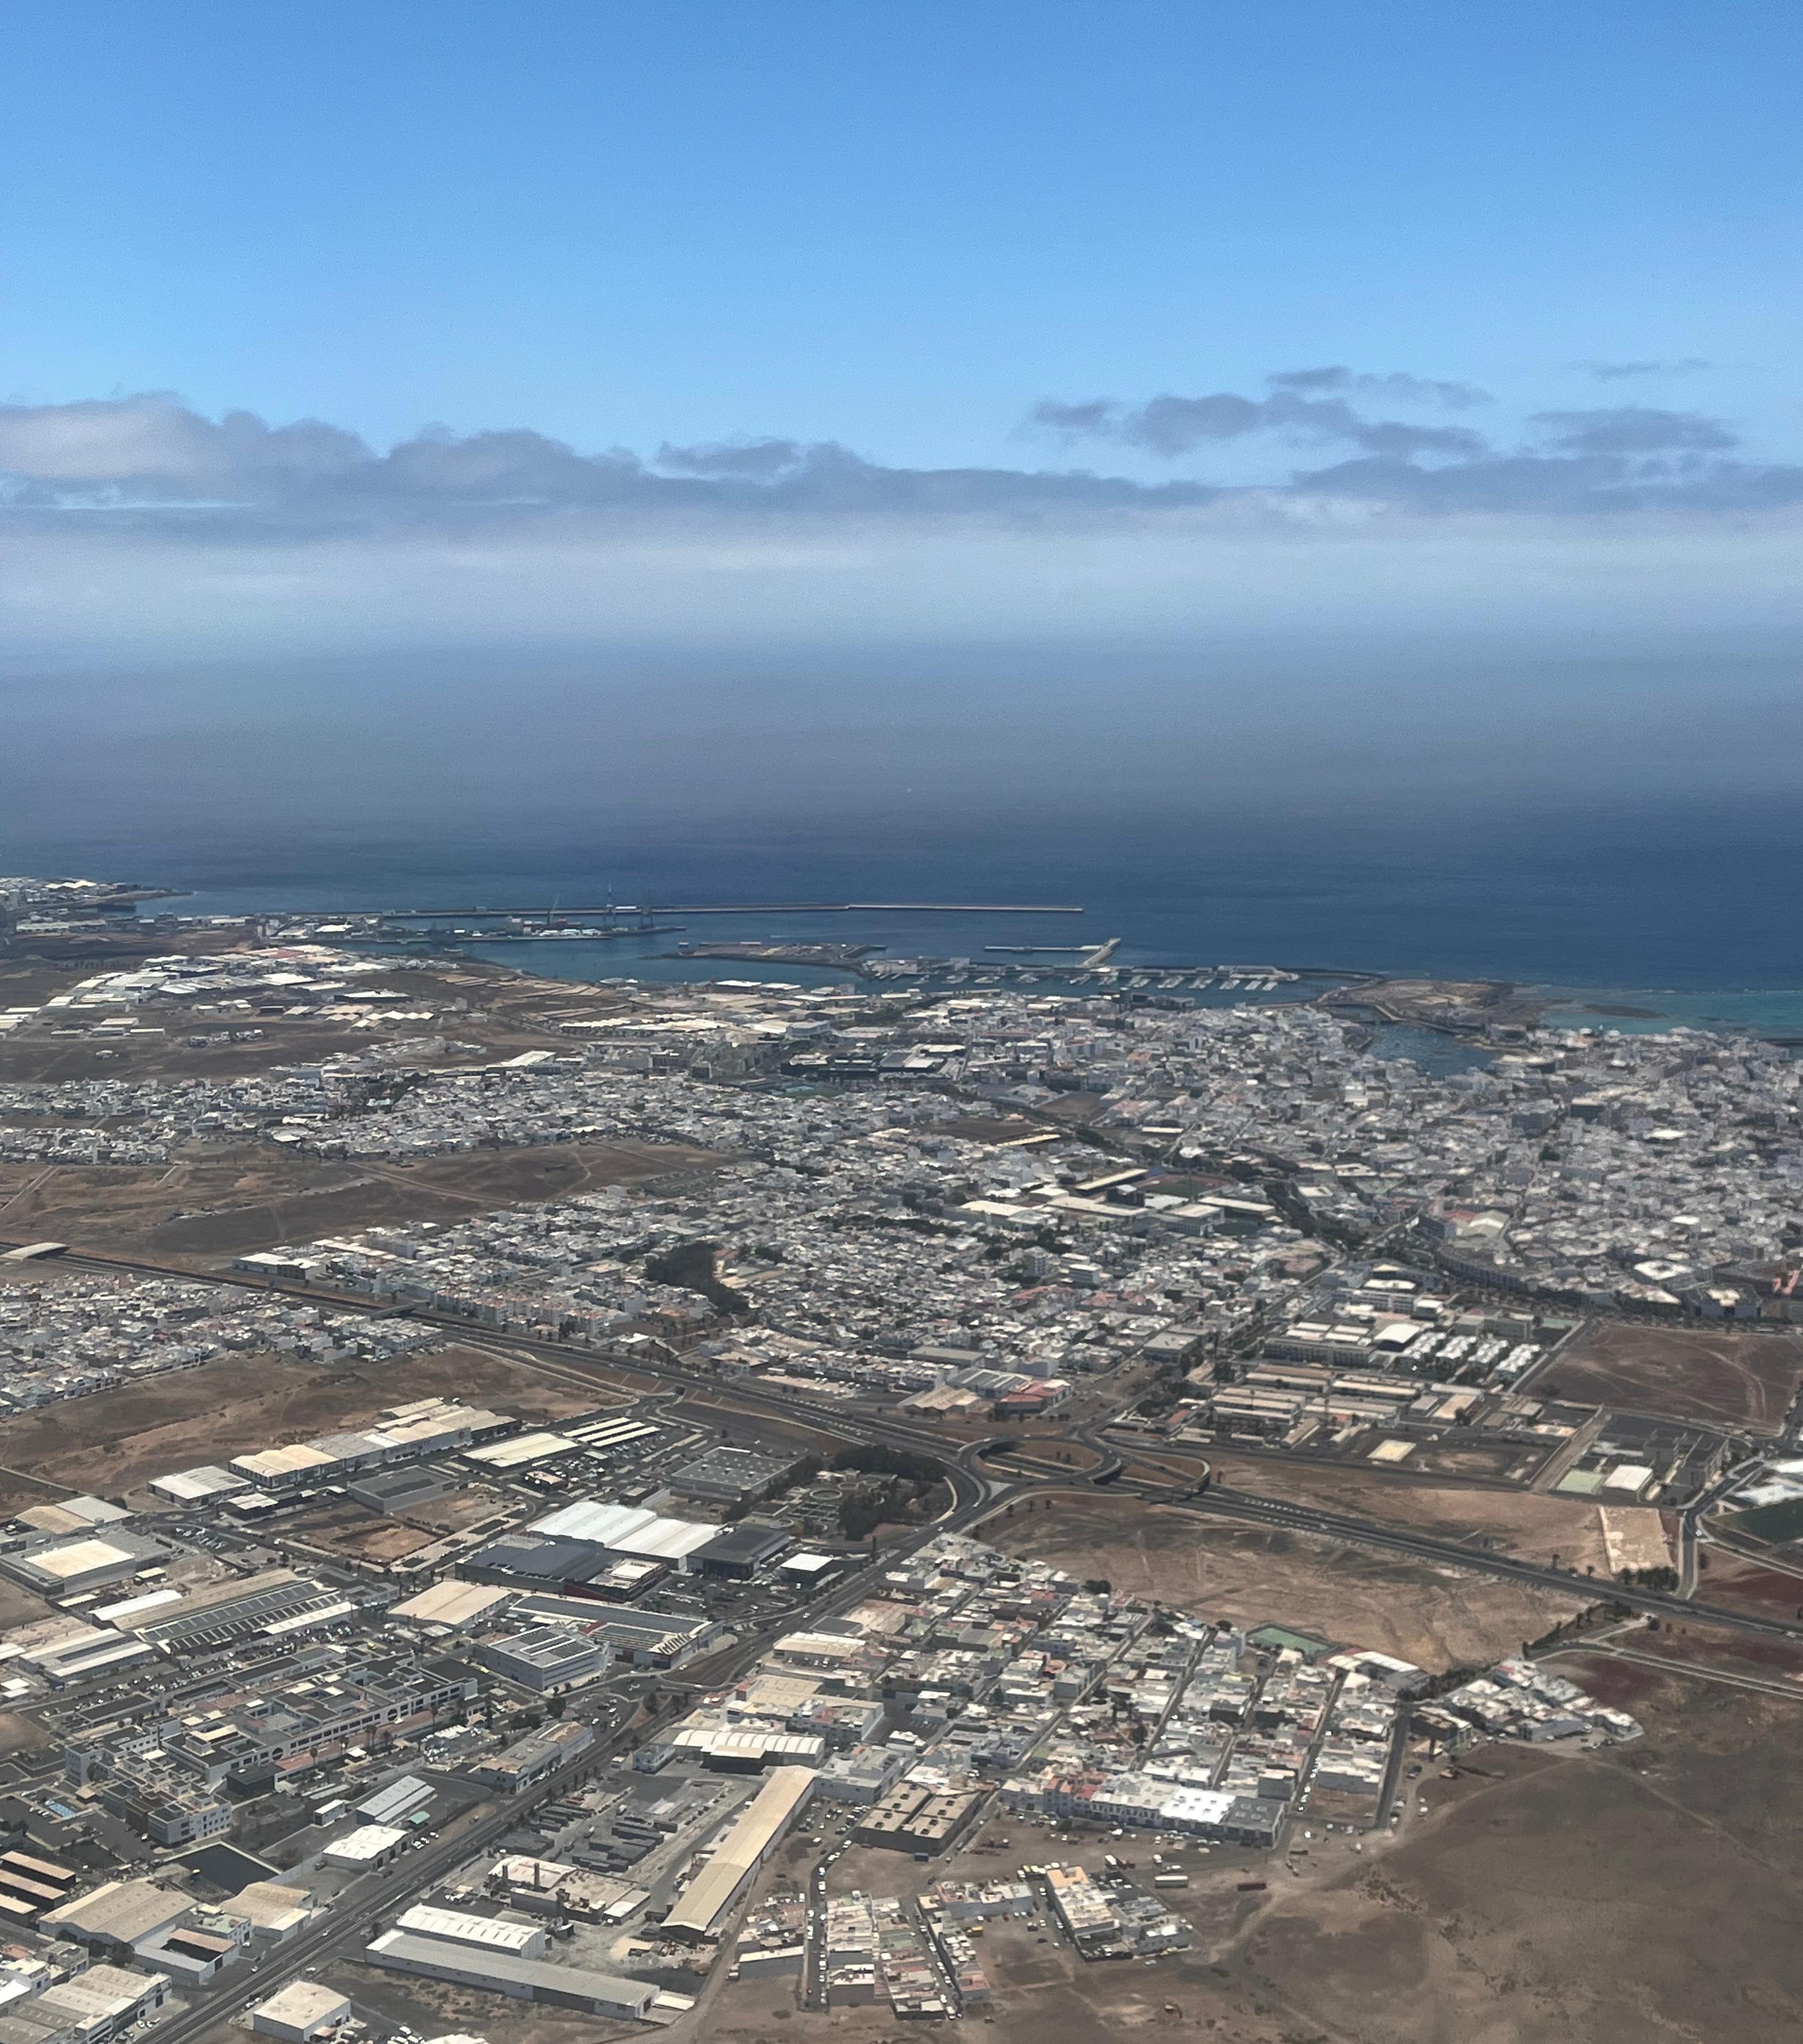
column 612, row 1433
column 217, row 1612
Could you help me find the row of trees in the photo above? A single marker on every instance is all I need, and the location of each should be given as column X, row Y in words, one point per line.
column 910, row 1487
column 695, row 1266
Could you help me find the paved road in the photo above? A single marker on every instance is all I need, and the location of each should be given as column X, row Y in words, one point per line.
column 814, row 1947
column 1766, row 1685
column 1393, row 1769
column 351, row 1921
column 578, row 1364
column 971, row 1489
column 979, row 1489
column 1400, row 1477
column 1219, row 1501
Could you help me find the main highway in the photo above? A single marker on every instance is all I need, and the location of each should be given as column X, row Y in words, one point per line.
column 977, row 1488
column 1247, row 1508
column 985, row 1478
column 572, row 1363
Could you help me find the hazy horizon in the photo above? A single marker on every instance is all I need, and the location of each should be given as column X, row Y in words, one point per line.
column 935, row 419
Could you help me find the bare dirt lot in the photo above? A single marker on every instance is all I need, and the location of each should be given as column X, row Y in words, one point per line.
column 1436, row 1617
column 355, row 1531
column 1709, row 1650
column 1718, row 1376
column 17, row 1605
column 458, row 1510
column 1744, row 1586
column 1524, row 1523
column 22, row 1735
column 1075, row 1110
column 1648, row 1890
column 213, row 1205
column 481, row 1010
column 114, row 1442
column 1490, row 1461
column 1625, row 1665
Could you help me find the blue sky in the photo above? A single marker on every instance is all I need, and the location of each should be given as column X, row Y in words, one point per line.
column 892, row 226
column 1226, row 369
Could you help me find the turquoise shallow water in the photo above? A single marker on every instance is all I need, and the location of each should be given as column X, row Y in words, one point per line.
column 1765, row 1012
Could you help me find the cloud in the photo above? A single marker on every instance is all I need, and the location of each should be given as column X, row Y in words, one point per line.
column 153, row 444
column 1562, row 486
column 149, row 459
column 150, row 464
column 1636, row 429
column 1336, row 377
column 1399, row 388
column 1170, row 426
column 1089, row 419
column 1616, row 372
column 758, row 461
column 1624, row 457
column 1619, row 458
column 152, row 450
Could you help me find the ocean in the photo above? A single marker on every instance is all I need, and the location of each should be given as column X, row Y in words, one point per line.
column 1688, row 912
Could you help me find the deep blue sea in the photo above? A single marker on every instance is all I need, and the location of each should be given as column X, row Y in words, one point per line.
column 1693, row 912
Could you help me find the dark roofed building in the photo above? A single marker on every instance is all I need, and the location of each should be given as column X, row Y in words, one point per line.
column 731, row 1476
column 227, row 1868
column 534, row 1561
column 564, row 1567
column 394, row 1490
column 740, row 1551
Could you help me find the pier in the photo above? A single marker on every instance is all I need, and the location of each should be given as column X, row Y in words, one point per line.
column 613, row 909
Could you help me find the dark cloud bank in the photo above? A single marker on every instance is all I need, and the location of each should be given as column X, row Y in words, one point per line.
column 1620, row 457
column 150, row 461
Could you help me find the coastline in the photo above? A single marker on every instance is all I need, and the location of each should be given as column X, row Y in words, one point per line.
column 1152, row 944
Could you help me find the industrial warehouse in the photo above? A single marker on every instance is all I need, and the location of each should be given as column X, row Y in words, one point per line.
column 664, row 1591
